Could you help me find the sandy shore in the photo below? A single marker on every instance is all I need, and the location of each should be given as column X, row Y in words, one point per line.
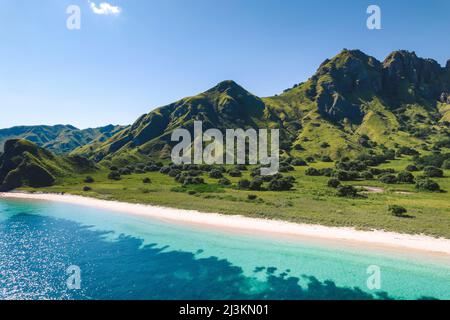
column 392, row 240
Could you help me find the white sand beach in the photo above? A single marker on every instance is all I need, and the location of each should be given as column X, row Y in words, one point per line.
column 396, row 241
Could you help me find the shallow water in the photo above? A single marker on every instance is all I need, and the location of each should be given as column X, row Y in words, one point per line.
column 128, row 257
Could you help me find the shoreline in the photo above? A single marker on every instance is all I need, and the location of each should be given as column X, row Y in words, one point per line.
column 375, row 238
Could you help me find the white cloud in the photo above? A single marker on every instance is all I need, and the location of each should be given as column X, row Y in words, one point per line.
column 104, row 8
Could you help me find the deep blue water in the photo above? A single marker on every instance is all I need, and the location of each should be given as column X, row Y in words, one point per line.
column 125, row 257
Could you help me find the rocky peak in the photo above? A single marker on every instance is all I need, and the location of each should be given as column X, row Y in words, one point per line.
column 405, row 65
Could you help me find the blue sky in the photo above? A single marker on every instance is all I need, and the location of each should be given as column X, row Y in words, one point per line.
column 154, row 52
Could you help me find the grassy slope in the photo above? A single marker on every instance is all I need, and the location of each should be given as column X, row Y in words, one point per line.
column 310, row 202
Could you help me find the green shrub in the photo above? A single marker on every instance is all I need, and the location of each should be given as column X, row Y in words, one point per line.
column 312, row 172
column 256, row 184
column 366, row 175
column 334, row 183
column 427, row 185
column 216, row 174
column 326, row 159
column 146, row 180
column 235, row 173
column 398, row 211
column 433, row 172
column 347, row 191
column 281, row 184
column 114, row 175
column 243, row 184
column 224, row 182
column 164, row 170
column 252, row 197
column 388, row 179
column 405, row 177
column 412, row 168
column 89, row 179
column 298, row 162
column 87, row 189
column 446, row 164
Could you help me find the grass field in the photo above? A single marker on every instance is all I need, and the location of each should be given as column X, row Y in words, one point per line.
column 311, row 201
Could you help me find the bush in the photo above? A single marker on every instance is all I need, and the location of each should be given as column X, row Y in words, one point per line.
column 388, row 179
column 89, row 179
column 235, row 173
column 345, row 175
column 241, row 167
column 252, row 197
column 243, row 184
column 347, row 191
column 433, row 172
column 407, row 151
column 286, row 168
column 216, row 174
column 125, row 171
column 298, row 162
column 327, row 172
column 310, row 159
column 114, row 175
column 405, row 177
column 412, row 168
column 326, row 159
column 224, row 182
column 334, row 183
column 164, row 170
column 397, row 211
column 281, row 184
column 427, row 185
column 256, row 184
column 366, row 175
column 146, row 180
column 174, row 172
column 113, row 168
column 151, row 168
column 87, row 189
column 446, row 164
column 312, row 172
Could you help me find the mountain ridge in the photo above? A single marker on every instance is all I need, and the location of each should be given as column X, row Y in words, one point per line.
column 402, row 100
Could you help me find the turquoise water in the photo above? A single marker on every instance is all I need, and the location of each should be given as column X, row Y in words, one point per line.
column 128, row 257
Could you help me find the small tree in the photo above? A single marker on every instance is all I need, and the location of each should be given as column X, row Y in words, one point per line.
column 243, row 184
column 114, row 175
column 89, row 179
column 433, row 172
column 216, row 174
column 427, row 185
column 388, row 179
column 347, row 191
column 146, row 180
column 446, row 164
column 405, row 177
column 334, row 183
column 398, row 211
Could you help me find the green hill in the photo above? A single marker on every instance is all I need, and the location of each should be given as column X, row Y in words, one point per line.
column 353, row 104
column 60, row 139
column 23, row 163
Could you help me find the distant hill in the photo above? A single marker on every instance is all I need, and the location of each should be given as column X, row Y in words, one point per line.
column 23, row 163
column 352, row 104
column 60, row 139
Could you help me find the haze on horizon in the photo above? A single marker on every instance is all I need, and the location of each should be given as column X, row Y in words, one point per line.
column 124, row 62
